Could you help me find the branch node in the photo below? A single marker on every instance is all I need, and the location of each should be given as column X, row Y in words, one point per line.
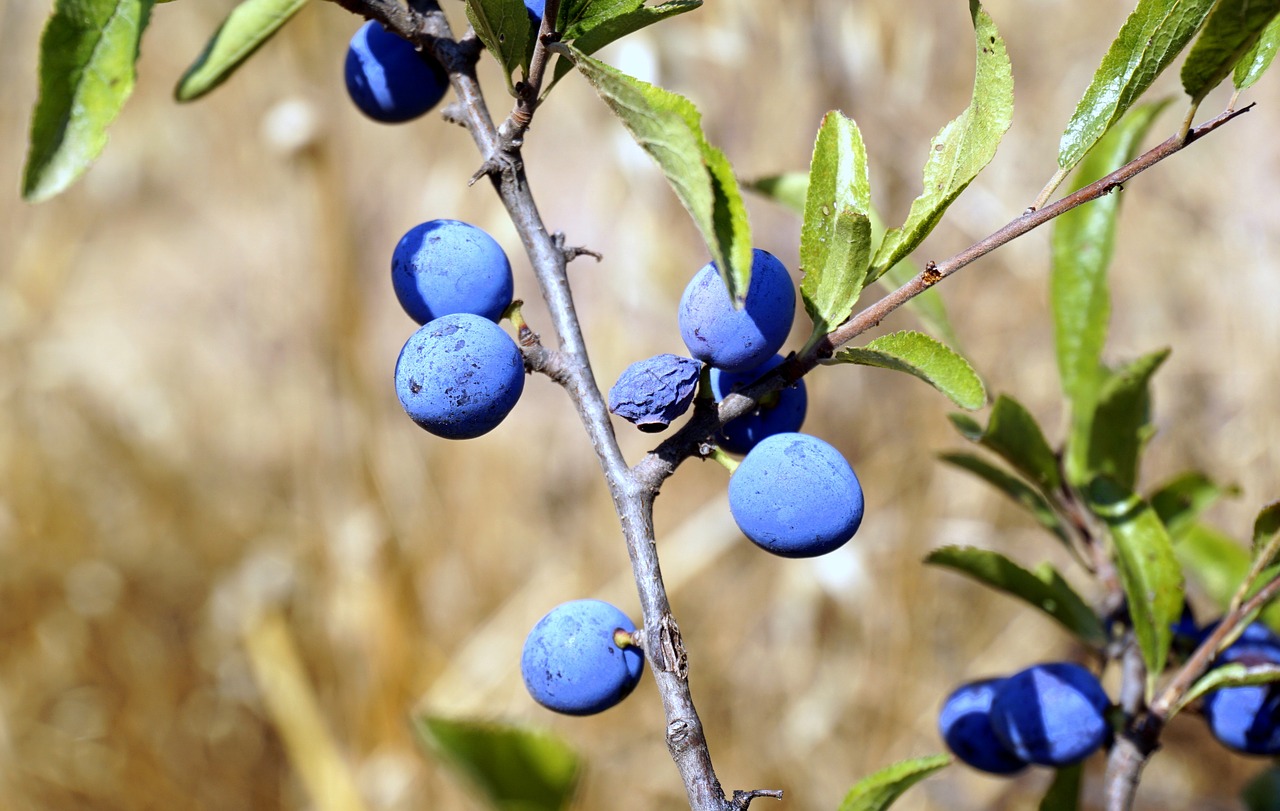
column 742, row 799
column 672, row 656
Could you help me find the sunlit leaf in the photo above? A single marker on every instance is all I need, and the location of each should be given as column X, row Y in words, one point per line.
column 917, row 354
column 880, row 790
column 246, row 29
column 1015, row 488
column 515, row 768
column 1015, row 436
column 669, row 128
column 1258, row 58
column 962, row 148
column 1044, row 588
column 610, row 21
column 1149, row 571
column 87, row 56
column 1150, row 39
column 1121, row 422
column 1266, row 526
column 835, row 239
column 505, row 27
column 1231, row 31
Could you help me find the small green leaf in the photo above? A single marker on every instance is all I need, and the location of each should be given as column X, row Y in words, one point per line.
column 1229, row 33
column 917, row 354
column 962, row 148
column 1263, row 792
column 1083, row 239
column 87, row 56
column 1220, row 564
column 1014, row 435
column 577, row 17
column 1149, row 571
column 669, row 128
column 1256, row 61
column 1155, row 33
column 835, row 241
column 1064, row 791
column 505, row 28
column 880, row 790
column 1044, row 588
column 1015, row 488
column 1229, row 675
column 516, row 768
column 1180, row 501
column 246, row 29
column 1265, row 526
column 610, row 21
column 1121, row 420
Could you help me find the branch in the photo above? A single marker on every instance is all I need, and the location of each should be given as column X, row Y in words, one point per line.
column 569, row 366
column 662, row 461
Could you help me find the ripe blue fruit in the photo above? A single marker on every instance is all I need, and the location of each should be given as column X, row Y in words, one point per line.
column 459, row 376
column 446, row 266
column 572, row 663
column 536, row 7
column 796, row 496
column 1247, row 718
column 653, row 392
column 1052, row 714
column 732, row 339
column 389, row 79
column 780, row 412
column 965, row 724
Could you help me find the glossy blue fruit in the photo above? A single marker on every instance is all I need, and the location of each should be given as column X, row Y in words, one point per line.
column 654, row 391
column 446, row 266
column 796, row 496
column 572, row 662
column 732, row 339
column 778, row 413
column 459, row 376
column 1051, row 714
column 965, row 724
column 388, row 79
column 1247, row 718
column 536, row 7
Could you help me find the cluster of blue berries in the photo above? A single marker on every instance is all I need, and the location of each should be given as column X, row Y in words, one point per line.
column 792, row 494
column 1052, row 714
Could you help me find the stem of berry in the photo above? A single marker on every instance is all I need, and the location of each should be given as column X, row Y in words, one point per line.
column 426, row 24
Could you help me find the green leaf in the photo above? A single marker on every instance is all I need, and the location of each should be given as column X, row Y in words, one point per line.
column 880, row 790
column 1064, row 791
column 1014, row 435
column 1044, row 588
column 835, row 241
column 1219, row 564
column 1083, row 239
column 1180, row 501
column 1265, row 526
column 1121, row 425
column 1263, row 792
column 917, row 354
column 962, row 148
column 87, row 56
column 505, row 28
column 1256, row 61
column 1230, row 32
column 669, row 128
column 789, row 190
column 609, row 21
column 1015, row 488
column 1230, row 675
column 516, row 768
column 1155, row 33
column 249, row 25
column 1149, row 571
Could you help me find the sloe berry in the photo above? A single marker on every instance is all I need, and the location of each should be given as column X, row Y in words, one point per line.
column 389, row 79
column 447, row 266
column 779, row 412
column 732, row 339
column 1052, row 714
column 572, row 662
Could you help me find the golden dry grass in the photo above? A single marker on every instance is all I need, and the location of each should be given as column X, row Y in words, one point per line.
column 203, row 469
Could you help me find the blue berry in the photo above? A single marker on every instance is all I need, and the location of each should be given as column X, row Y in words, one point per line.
column 653, row 392
column 446, row 266
column 536, row 7
column 796, row 496
column 572, row 662
column 388, row 79
column 1255, row 633
column 459, row 376
column 779, row 412
column 1247, row 718
column 1052, row 714
column 738, row 340
column 965, row 724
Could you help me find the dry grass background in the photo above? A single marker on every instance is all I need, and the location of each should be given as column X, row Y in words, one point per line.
column 203, row 468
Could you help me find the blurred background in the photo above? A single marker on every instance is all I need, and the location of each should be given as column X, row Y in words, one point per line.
column 232, row 568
